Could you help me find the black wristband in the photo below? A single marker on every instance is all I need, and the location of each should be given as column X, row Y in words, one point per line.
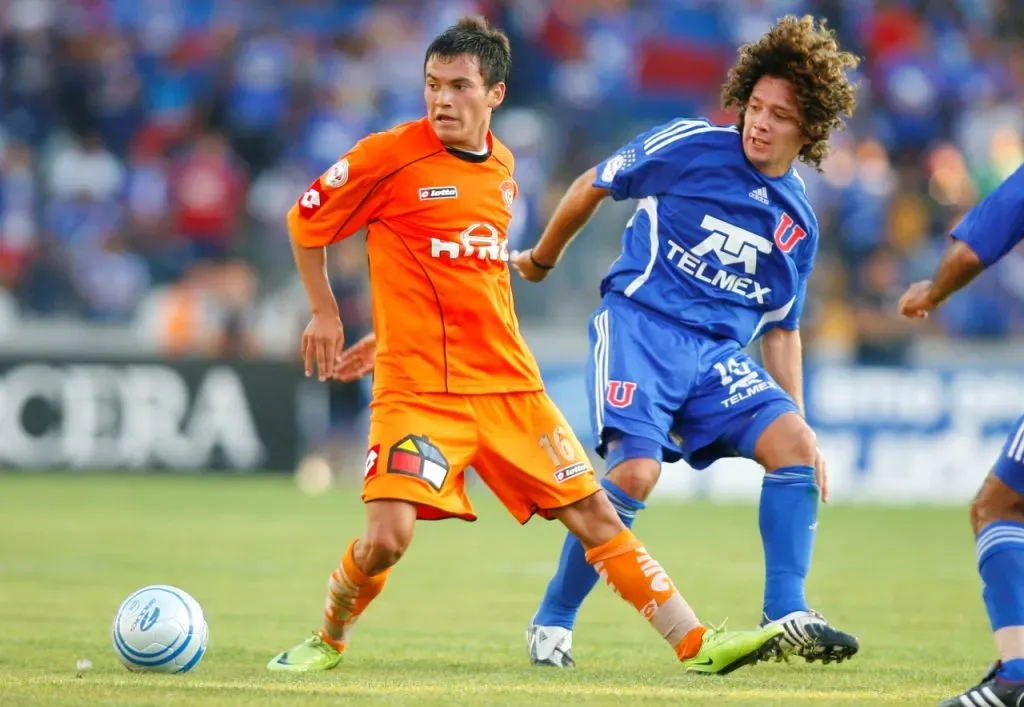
column 540, row 265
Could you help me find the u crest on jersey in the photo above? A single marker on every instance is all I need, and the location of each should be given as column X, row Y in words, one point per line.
column 787, row 233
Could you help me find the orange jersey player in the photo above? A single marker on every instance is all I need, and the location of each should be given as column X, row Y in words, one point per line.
column 455, row 384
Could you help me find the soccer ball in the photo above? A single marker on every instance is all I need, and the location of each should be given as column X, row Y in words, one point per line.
column 160, row 629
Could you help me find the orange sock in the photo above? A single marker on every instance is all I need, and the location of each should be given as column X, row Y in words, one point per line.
column 635, row 576
column 690, row 645
column 349, row 592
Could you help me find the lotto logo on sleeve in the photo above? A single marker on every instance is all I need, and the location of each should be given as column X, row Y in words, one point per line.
column 312, row 200
column 416, row 456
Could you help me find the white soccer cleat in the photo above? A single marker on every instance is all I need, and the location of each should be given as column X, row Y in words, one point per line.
column 550, row 646
column 808, row 635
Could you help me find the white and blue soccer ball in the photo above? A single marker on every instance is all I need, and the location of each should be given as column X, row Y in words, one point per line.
column 160, row 629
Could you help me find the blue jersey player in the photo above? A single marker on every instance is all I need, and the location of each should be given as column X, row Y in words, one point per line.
column 987, row 233
column 717, row 255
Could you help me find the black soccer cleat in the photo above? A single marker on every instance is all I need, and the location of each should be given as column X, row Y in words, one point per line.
column 992, row 691
column 808, row 635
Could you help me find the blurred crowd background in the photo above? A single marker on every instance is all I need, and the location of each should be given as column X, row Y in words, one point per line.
column 150, row 149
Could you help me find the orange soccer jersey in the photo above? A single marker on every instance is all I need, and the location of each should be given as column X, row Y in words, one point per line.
column 436, row 235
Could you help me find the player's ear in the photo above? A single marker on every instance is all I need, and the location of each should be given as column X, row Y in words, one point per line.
column 496, row 94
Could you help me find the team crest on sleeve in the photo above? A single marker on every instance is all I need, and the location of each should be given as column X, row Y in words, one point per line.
column 417, row 456
column 509, row 190
column 337, row 175
column 618, row 162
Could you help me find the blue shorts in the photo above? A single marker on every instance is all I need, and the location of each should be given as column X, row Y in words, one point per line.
column 1009, row 468
column 701, row 398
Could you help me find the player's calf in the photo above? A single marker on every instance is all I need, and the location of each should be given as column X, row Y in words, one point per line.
column 997, row 518
column 788, row 519
column 357, row 580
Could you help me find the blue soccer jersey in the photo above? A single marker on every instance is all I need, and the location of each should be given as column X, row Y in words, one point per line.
column 996, row 225
column 992, row 229
column 714, row 245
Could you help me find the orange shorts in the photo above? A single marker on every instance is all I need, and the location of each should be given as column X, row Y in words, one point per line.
column 518, row 443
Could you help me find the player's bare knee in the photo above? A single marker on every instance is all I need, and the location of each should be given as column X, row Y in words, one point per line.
column 636, row 477
column 788, row 441
column 384, row 548
column 593, row 520
column 994, row 502
column 389, row 531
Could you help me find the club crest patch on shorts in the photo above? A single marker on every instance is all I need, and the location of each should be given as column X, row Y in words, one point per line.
column 567, row 472
column 416, row 456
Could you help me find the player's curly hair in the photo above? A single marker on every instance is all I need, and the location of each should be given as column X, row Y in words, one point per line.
column 808, row 55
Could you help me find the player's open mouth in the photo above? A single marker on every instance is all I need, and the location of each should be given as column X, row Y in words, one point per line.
column 756, row 142
column 446, row 119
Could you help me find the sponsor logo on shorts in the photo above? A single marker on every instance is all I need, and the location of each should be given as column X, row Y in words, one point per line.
column 417, row 456
column 432, row 193
column 743, row 380
column 567, row 472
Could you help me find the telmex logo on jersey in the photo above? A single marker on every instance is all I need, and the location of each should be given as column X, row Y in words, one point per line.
column 731, row 245
column 481, row 240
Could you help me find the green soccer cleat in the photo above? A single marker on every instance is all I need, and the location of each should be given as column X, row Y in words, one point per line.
column 722, row 651
column 312, row 655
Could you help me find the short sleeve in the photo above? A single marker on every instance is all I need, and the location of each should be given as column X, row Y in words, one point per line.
column 996, row 225
column 346, row 197
column 654, row 160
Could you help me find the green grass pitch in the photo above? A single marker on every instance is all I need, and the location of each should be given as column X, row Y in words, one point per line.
column 449, row 628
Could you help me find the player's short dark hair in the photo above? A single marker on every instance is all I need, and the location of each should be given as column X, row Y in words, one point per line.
column 475, row 37
column 806, row 54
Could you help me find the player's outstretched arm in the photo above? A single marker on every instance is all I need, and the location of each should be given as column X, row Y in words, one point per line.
column 960, row 264
column 576, row 208
column 324, row 337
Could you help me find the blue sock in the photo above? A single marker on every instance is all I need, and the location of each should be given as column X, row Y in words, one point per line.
column 1001, row 566
column 788, row 517
column 575, row 576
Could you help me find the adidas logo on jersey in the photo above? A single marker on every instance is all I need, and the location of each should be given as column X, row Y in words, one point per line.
column 761, row 194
